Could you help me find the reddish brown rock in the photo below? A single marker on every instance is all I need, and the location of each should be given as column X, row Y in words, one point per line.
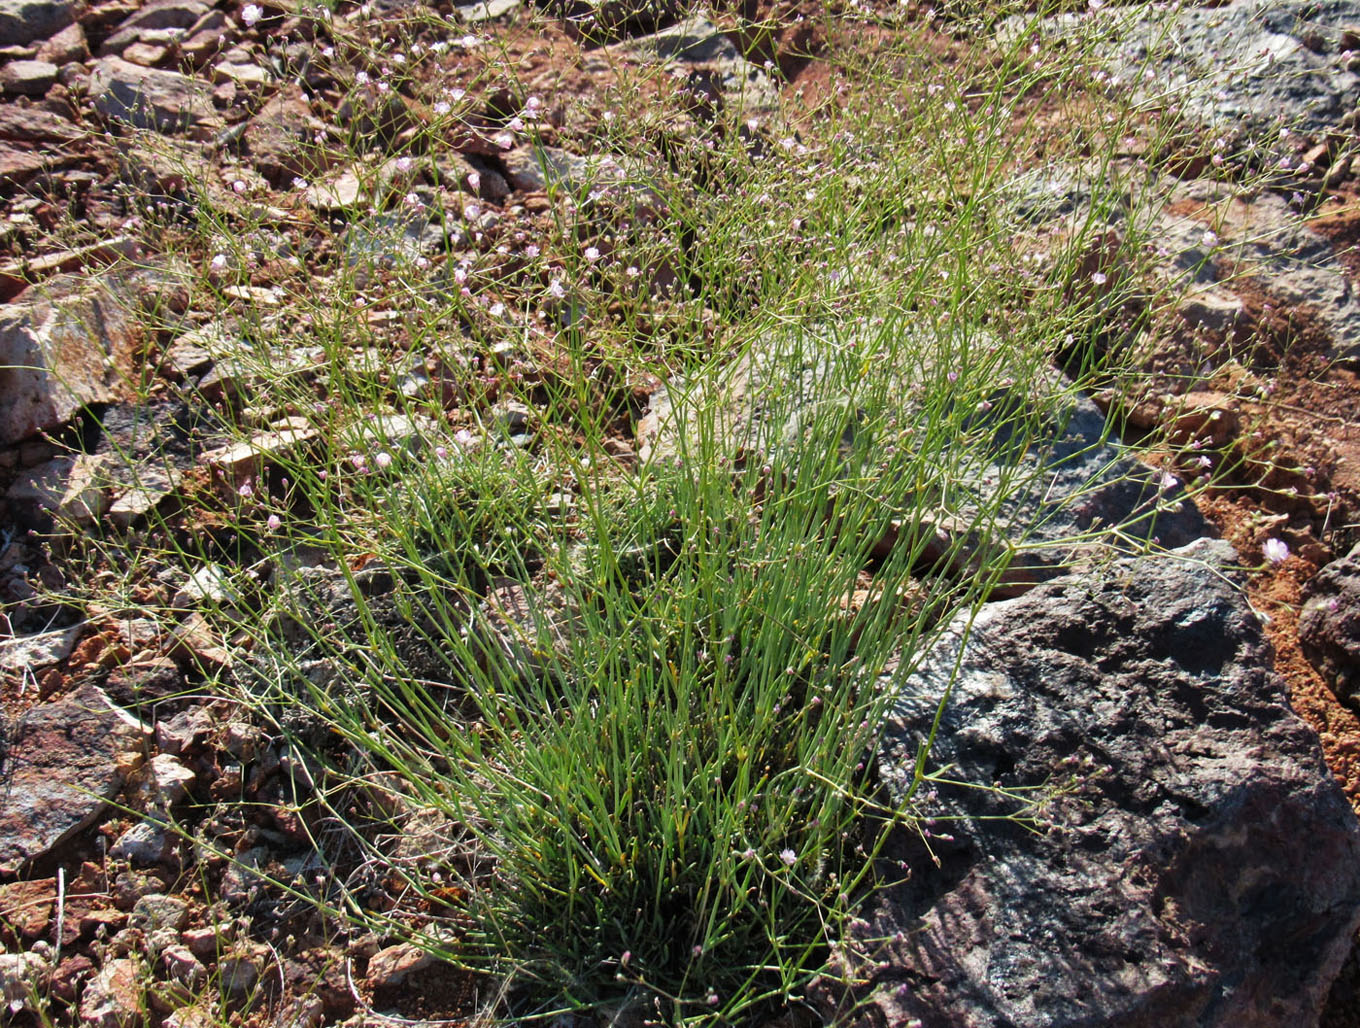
column 61, row 773
column 26, row 907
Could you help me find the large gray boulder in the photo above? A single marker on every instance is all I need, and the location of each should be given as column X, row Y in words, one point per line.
column 1205, row 872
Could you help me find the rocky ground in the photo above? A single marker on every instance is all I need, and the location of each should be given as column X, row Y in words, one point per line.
column 114, row 918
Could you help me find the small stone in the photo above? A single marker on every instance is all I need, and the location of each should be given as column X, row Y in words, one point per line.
column 193, row 642
column 191, row 1016
column 184, row 731
column 164, row 781
column 250, row 77
column 239, row 463
column 207, row 943
column 28, row 78
column 114, row 998
column 32, row 652
column 158, row 911
column 179, row 962
column 208, row 585
column 147, row 55
column 66, row 46
column 1329, row 625
column 21, row 979
column 69, row 975
column 145, row 844
column 164, row 101
column 132, row 885
column 239, row 973
column 303, row 1012
column 392, row 965
column 166, row 14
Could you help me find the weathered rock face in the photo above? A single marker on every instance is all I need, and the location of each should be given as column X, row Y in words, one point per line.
column 65, row 350
column 164, row 101
column 60, row 772
column 24, row 21
column 1329, row 625
column 1247, row 65
column 1210, row 875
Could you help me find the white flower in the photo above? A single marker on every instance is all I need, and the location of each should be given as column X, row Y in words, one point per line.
column 383, row 459
column 219, row 262
column 788, row 857
column 1275, row 550
column 250, row 14
column 1099, row 278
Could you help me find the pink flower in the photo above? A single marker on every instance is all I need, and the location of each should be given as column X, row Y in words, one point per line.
column 383, row 459
column 1275, row 550
column 592, row 253
column 788, row 857
column 273, row 523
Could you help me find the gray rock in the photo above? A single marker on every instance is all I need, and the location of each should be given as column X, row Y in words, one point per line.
column 67, row 348
column 156, row 912
column 22, row 976
column 28, row 78
column 145, row 844
column 1071, row 477
column 1259, row 237
column 25, row 21
column 1204, row 872
column 391, row 239
column 61, row 772
column 34, row 652
column 73, row 488
column 66, row 46
column 486, row 10
column 714, row 65
column 1329, row 624
column 281, row 140
column 146, row 98
column 1242, row 66
column 166, row 14
column 37, row 125
column 114, row 998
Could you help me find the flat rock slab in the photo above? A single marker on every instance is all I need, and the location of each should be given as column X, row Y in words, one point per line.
column 1206, row 871
column 60, row 772
column 164, row 101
